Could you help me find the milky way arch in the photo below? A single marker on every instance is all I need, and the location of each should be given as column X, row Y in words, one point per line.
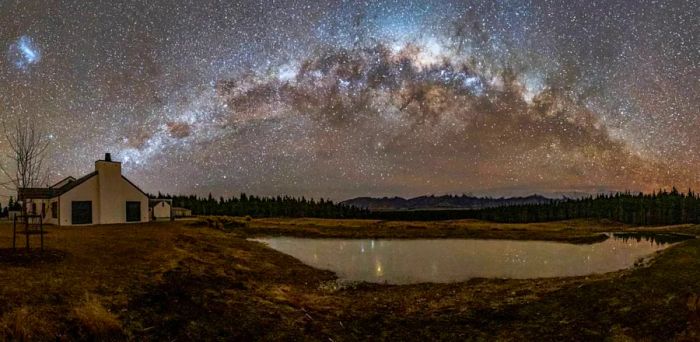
column 342, row 99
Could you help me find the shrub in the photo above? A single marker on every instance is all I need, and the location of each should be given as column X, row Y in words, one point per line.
column 225, row 223
column 232, row 223
column 197, row 223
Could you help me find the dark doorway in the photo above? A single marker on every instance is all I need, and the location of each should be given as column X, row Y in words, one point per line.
column 133, row 211
column 81, row 212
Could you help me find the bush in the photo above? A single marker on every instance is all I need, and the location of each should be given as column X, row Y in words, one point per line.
column 225, row 223
column 230, row 224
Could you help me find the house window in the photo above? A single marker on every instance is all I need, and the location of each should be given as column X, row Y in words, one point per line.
column 133, row 211
column 33, row 208
column 81, row 212
column 43, row 209
column 54, row 210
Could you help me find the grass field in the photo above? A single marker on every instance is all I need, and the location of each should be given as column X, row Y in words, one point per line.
column 577, row 231
column 176, row 280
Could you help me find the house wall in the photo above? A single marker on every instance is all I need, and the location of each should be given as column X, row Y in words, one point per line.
column 113, row 193
column 161, row 210
column 87, row 191
column 46, row 213
column 50, row 218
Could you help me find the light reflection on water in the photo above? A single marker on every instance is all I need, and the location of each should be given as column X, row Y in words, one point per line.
column 450, row 260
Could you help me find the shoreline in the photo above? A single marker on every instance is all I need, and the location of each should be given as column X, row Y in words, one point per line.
column 572, row 231
column 562, row 231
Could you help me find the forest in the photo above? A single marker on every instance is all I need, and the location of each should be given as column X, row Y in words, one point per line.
column 658, row 208
column 255, row 206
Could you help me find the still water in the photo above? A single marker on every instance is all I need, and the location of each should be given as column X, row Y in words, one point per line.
column 450, row 260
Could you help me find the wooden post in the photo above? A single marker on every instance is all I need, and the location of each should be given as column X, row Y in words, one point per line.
column 14, row 232
column 41, row 229
column 26, row 231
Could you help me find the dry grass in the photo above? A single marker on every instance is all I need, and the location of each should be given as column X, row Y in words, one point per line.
column 44, row 297
column 225, row 223
column 95, row 319
column 167, row 281
column 25, row 324
column 578, row 231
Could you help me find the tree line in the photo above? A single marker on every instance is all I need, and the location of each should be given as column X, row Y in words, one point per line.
column 658, row 208
column 256, row 206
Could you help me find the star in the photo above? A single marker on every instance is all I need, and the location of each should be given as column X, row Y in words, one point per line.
column 339, row 99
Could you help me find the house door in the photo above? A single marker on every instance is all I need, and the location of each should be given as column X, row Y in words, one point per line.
column 133, row 211
column 81, row 212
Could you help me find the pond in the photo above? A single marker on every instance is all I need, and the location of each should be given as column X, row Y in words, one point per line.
column 451, row 260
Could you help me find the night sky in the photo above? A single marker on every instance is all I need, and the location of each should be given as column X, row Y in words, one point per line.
column 346, row 98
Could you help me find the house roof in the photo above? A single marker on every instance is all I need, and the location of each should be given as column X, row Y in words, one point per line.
column 152, row 202
column 71, row 185
column 45, row 193
column 66, row 180
column 36, row 193
column 134, row 185
column 67, row 184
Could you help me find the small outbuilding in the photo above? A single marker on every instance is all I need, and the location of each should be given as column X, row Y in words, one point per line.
column 160, row 209
column 181, row 212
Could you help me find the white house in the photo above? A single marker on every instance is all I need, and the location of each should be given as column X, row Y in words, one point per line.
column 104, row 196
column 160, row 209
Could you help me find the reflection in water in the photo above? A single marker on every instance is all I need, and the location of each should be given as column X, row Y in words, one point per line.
column 658, row 238
column 449, row 260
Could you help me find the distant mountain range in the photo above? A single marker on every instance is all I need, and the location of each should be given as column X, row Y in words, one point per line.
column 441, row 202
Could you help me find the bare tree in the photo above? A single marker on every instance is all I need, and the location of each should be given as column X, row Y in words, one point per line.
column 24, row 167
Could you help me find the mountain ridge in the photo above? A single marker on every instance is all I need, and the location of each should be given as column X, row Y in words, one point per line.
column 441, row 202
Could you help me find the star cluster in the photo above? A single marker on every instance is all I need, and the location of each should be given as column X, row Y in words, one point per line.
column 348, row 98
